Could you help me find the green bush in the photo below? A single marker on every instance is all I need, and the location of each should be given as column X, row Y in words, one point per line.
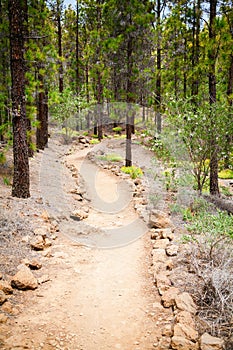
column 94, row 141
column 133, row 171
column 226, row 174
column 117, row 129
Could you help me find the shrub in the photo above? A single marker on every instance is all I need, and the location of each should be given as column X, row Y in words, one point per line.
column 94, row 141
column 117, row 129
column 226, row 174
column 133, row 171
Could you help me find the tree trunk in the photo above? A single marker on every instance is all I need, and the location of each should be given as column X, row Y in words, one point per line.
column 42, row 118
column 158, row 73
column 99, row 75
column 214, row 188
column 230, row 101
column 196, row 48
column 129, row 117
column 77, row 50
column 21, row 180
column 59, row 34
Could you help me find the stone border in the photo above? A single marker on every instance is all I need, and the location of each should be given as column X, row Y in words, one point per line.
column 181, row 333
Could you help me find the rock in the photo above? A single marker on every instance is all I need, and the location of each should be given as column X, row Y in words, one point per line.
column 180, row 343
column 158, row 267
column 41, row 231
column 207, row 342
column 161, row 243
column 172, row 250
column 6, row 287
column 137, row 181
column 3, row 297
column 164, row 343
column 25, row 239
column 185, row 302
column 158, row 307
column 47, row 253
column 167, row 330
column 24, row 279
column 168, row 297
column 34, row 264
column 80, row 214
column 37, row 243
column 163, row 283
column 169, row 264
column 10, row 309
column 3, row 318
column 159, row 255
column 185, row 331
column 159, row 219
column 167, row 233
column 82, row 140
column 47, row 243
column 185, row 318
column 1, row 276
column 156, row 233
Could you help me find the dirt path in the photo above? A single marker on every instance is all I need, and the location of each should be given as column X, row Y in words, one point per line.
column 96, row 298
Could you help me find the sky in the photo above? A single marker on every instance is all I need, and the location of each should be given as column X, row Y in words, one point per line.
column 68, row 2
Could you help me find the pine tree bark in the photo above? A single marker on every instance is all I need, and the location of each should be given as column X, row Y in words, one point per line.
column 59, row 36
column 21, row 180
column 42, row 117
column 129, row 117
column 214, row 188
column 158, row 72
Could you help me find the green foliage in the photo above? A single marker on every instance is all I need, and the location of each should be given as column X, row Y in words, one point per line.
column 2, row 158
column 133, row 171
column 117, row 129
column 111, row 157
column 158, row 146
column 205, row 222
column 170, row 180
column 226, row 174
column 63, row 109
column 7, row 181
column 94, row 141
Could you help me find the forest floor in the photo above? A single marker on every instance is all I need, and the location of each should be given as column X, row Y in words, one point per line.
column 96, row 288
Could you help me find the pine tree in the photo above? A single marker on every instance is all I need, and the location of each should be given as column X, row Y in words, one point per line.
column 21, row 164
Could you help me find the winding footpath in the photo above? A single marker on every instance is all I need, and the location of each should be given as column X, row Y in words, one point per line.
column 100, row 292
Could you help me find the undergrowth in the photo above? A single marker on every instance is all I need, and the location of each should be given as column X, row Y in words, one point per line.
column 210, row 258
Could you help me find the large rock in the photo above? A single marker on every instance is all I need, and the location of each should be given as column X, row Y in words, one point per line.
column 168, row 297
column 163, row 283
column 159, row 219
column 3, row 297
column 185, row 331
column 207, row 342
column 180, row 343
column 185, row 318
column 159, row 255
column 6, row 287
column 172, row 250
column 161, row 243
column 40, row 242
column 185, row 302
column 24, row 279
